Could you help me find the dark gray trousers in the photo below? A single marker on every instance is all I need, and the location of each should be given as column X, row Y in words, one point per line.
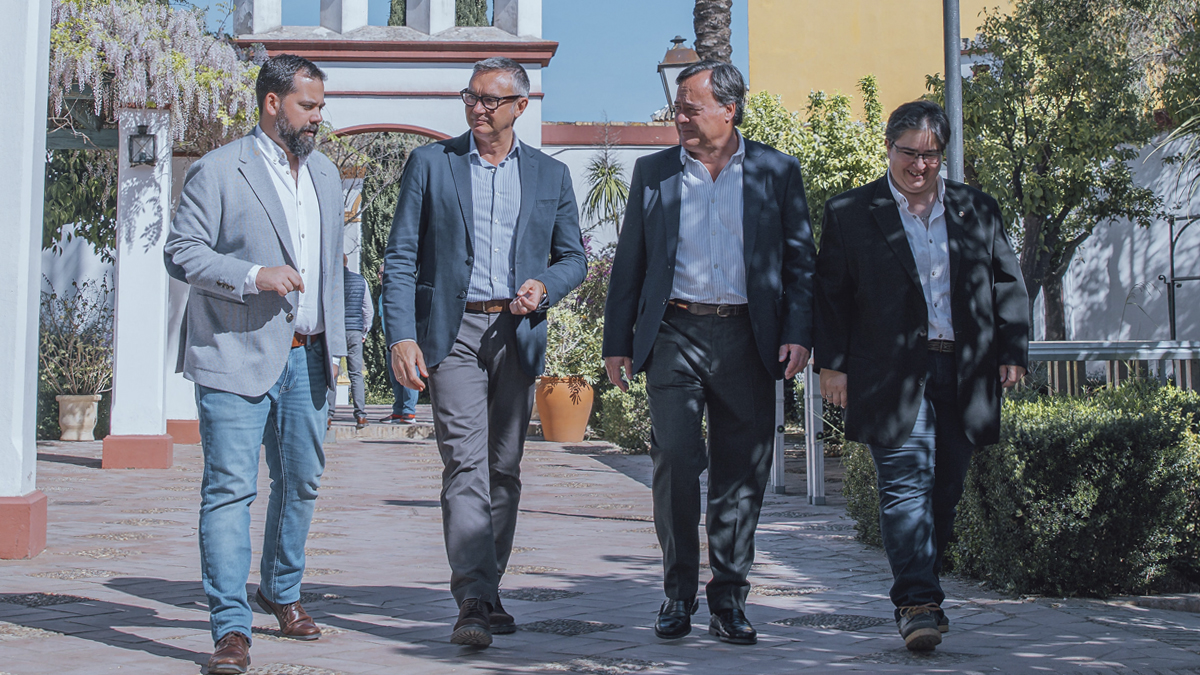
column 700, row 361
column 482, row 401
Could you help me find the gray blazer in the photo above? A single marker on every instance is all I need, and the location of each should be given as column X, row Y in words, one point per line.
column 427, row 264
column 230, row 219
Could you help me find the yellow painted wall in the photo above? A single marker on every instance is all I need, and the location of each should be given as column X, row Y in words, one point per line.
column 797, row 46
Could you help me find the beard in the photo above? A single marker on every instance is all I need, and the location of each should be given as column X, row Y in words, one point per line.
column 298, row 143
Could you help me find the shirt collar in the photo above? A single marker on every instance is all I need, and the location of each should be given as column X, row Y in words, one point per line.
column 515, row 151
column 903, row 201
column 737, row 156
column 275, row 153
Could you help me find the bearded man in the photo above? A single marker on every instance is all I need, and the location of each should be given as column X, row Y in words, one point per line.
column 258, row 236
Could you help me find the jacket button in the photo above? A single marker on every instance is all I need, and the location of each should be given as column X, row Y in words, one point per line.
column 462, row 295
column 290, row 316
column 470, row 261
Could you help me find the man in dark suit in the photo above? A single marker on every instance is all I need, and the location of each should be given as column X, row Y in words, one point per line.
column 486, row 237
column 922, row 319
column 711, row 296
column 258, row 236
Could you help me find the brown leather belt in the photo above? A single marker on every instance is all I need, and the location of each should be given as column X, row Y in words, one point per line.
column 942, row 346
column 701, row 309
column 299, row 340
column 488, row 306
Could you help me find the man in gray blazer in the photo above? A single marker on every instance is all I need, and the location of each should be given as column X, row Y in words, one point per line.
column 711, row 295
column 486, row 238
column 258, row 236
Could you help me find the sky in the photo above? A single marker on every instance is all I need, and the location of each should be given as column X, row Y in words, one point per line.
column 608, row 53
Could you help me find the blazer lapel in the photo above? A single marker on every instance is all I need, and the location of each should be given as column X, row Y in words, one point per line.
column 528, row 164
column 887, row 216
column 460, row 168
column 254, row 170
column 671, row 191
column 753, row 197
column 955, row 230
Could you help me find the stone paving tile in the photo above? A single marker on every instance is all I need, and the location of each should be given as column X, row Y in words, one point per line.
column 377, row 583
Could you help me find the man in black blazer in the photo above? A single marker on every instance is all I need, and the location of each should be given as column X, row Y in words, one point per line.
column 486, row 237
column 922, row 319
column 711, row 295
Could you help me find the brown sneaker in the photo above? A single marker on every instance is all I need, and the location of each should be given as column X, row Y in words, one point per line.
column 230, row 655
column 500, row 621
column 473, row 627
column 294, row 622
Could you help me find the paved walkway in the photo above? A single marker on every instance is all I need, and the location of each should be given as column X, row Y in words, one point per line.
column 117, row 589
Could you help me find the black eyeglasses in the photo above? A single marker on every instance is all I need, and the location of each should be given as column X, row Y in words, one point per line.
column 931, row 158
column 490, row 103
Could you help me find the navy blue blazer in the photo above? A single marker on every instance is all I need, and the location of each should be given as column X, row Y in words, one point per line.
column 777, row 244
column 430, row 252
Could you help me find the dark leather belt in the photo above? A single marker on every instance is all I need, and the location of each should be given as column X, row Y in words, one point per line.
column 701, row 309
column 942, row 346
column 299, row 340
column 488, row 306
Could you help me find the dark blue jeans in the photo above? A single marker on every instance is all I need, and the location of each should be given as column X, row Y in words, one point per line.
column 920, row 485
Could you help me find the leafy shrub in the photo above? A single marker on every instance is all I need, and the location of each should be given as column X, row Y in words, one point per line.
column 1090, row 496
column 626, row 416
column 861, row 491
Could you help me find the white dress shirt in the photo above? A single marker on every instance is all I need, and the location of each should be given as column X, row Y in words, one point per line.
column 931, row 250
column 710, row 264
column 303, row 214
column 496, row 199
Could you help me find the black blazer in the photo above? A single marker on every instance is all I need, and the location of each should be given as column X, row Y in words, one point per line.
column 427, row 263
column 777, row 243
column 872, row 319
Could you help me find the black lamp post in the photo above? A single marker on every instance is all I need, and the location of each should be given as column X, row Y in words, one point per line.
column 676, row 60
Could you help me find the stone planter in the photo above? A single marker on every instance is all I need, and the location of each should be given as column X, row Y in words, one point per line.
column 77, row 416
column 564, row 405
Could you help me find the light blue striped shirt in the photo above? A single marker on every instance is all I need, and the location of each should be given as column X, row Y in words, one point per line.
column 931, row 250
column 496, row 197
column 710, row 264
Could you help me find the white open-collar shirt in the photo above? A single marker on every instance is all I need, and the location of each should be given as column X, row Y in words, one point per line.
column 931, row 250
column 303, row 214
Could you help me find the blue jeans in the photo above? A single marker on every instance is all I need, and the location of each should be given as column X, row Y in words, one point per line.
column 289, row 423
column 920, row 484
column 404, row 400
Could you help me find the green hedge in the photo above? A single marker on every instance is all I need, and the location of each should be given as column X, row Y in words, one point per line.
column 625, row 417
column 1092, row 496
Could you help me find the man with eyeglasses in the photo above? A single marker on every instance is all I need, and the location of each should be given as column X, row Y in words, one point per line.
column 485, row 239
column 922, row 319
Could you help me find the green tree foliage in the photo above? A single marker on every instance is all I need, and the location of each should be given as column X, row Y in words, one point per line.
column 1051, row 124
column 471, row 13
column 608, row 190
column 836, row 152
column 396, row 17
column 81, row 200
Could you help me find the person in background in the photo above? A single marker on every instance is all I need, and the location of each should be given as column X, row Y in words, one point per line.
column 359, row 317
column 404, row 400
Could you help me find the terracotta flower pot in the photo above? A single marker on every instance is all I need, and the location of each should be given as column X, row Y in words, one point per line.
column 564, row 404
column 77, row 416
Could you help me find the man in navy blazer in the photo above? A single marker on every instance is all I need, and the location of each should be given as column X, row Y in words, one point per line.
column 711, row 296
column 486, row 237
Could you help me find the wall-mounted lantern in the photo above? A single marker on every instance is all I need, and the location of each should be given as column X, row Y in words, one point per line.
column 676, row 60
column 143, row 147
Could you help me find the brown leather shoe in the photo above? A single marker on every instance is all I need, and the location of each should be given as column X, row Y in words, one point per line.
column 230, row 655
column 294, row 622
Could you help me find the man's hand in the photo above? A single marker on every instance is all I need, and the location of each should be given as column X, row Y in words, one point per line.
column 796, row 357
column 613, row 365
column 529, row 296
column 336, row 369
column 283, row 280
column 1011, row 375
column 833, row 387
column 408, row 364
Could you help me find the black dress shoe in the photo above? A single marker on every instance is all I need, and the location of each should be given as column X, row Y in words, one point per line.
column 730, row 625
column 500, row 621
column 473, row 627
column 675, row 618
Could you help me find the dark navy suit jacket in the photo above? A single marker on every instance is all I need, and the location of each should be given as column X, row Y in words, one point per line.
column 427, row 263
column 777, row 245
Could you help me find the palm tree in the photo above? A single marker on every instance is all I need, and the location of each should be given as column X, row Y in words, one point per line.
column 711, row 20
